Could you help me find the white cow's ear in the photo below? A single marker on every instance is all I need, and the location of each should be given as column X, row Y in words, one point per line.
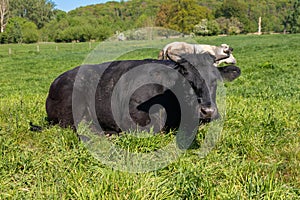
column 229, row 73
column 225, row 47
column 228, row 50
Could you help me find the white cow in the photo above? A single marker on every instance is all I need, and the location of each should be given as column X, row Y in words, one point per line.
column 174, row 50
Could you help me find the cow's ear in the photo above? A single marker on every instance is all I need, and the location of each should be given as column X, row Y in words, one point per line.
column 229, row 73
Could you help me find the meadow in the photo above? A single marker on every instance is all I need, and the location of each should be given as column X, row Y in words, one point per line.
column 257, row 156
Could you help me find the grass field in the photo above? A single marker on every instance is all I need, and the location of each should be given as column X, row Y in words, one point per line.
column 257, row 157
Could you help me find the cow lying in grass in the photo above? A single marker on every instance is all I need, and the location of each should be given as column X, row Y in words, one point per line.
column 86, row 93
column 174, row 50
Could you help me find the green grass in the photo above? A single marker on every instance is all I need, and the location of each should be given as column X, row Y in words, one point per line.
column 257, row 157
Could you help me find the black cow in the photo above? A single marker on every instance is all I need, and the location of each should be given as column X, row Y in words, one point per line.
column 100, row 93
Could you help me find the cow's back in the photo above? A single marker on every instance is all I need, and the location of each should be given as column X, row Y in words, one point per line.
column 59, row 103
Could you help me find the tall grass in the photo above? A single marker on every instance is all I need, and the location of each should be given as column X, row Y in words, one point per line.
column 257, row 157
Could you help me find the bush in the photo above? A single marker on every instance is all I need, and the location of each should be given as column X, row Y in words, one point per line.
column 30, row 32
column 207, row 28
column 230, row 26
column 3, row 38
column 20, row 30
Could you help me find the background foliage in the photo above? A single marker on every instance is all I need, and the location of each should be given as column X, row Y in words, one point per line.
column 97, row 22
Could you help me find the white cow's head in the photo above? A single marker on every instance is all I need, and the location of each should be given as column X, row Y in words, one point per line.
column 224, row 55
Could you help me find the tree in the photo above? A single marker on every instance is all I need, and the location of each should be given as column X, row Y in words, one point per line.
column 38, row 11
column 144, row 21
column 14, row 30
column 4, row 14
column 232, row 8
column 182, row 15
column 238, row 9
column 162, row 15
column 294, row 19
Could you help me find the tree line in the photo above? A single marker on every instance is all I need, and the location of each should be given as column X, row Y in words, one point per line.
column 28, row 21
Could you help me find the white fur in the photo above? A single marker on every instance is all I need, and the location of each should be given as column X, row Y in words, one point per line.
column 174, row 50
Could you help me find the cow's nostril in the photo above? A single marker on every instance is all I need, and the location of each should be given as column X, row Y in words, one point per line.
column 208, row 112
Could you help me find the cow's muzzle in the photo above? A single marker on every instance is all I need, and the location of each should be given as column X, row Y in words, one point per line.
column 208, row 113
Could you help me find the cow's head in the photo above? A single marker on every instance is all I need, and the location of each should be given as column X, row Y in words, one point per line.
column 203, row 76
column 224, row 55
